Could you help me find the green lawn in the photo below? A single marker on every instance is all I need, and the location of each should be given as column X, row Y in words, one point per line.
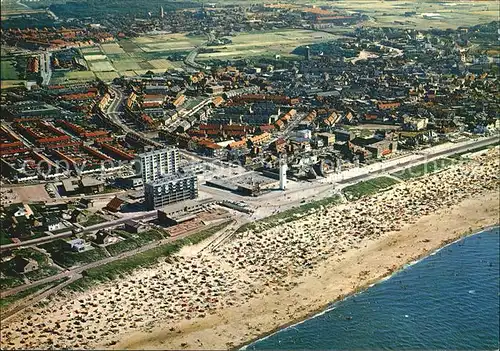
column 133, row 241
column 4, row 238
column 147, row 258
column 41, row 273
column 289, row 215
column 12, row 279
column 423, row 169
column 121, row 246
column 477, row 149
column 93, row 219
column 368, row 187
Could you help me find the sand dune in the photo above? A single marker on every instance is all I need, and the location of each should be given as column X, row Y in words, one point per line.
column 260, row 281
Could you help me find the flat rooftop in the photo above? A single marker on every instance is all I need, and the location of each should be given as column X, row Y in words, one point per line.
column 246, row 181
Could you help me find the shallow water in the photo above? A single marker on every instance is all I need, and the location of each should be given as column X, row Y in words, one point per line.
column 449, row 300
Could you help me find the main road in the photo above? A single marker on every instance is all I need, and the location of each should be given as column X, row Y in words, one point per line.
column 108, row 224
column 45, row 67
column 299, row 192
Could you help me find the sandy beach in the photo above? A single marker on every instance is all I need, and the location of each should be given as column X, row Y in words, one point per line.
column 261, row 281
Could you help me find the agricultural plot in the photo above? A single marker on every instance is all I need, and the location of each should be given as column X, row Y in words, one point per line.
column 7, row 84
column 143, row 71
column 107, row 76
column 101, row 66
column 146, row 65
column 164, row 43
column 126, row 65
column 128, row 73
column 443, row 14
column 95, row 57
column 112, row 48
column 75, row 76
column 167, row 47
column 8, row 69
column 129, row 46
column 170, row 38
column 161, row 64
column 94, row 50
column 262, row 43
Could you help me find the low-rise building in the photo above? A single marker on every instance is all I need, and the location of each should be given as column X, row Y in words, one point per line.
column 24, row 265
column 414, row 124
column 132, row 226
column 76, row 245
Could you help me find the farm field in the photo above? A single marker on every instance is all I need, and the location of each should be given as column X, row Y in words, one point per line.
column 107, row 76
column 9, row 77
column 451, row 14
column 101, row 66
column 266, row 43
column 112, row 48
column 385, row 13
column 95, row 57
column 75, row 76
column 130, row 57
column 6, row 84
column 91, row 50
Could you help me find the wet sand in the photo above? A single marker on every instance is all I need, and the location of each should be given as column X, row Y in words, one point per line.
column 261, row 281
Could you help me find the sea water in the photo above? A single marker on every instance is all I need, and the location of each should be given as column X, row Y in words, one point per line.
column 449, row 300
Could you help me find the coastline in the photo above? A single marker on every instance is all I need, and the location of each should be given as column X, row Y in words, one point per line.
column 437, row 230
column 365, row 287
column 261, row 281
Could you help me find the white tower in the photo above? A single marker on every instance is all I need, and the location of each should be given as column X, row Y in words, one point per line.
column 283, row 169
column 162, row 13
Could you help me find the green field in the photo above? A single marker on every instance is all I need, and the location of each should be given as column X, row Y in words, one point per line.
column 133, row 241
column 385, row 13
column 8, row 69
column 265, row 43
column 107, row 76
column 93, row 219
column 368, row 187
column 75, row 76
column 423, row 169
column 100, row 66
column 66, row 258
column 9, row 77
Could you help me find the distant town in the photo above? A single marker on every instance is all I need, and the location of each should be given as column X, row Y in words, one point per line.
column 124, row 134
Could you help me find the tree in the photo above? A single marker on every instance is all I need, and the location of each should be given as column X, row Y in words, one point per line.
column 39, row 80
